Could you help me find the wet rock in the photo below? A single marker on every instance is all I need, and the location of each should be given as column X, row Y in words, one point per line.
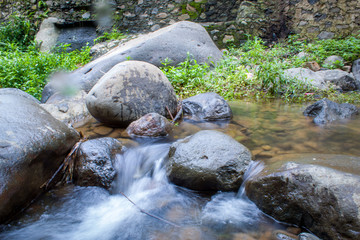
column 315, row 191
column 307, row 76
column 206, row 106
column 308, row 236
column 17, row 92
column 283, row 235
column 173, row 43
column 94, row 163
column 48, row 34
column 130, row 90
column 333, row 61
column 150, row 125
column 356, row 72
column 32, row 146
column 208, row 160
column 325, row 111
column 342, row 80
column 69, row 109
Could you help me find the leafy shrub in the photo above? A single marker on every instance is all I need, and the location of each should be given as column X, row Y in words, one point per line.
column 23, row 66
column 28, row 70
column 16, row 32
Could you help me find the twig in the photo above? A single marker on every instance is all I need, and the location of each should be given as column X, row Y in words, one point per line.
column 68, row 161
column 179, row 113
column 172, row 118
column 149, row 214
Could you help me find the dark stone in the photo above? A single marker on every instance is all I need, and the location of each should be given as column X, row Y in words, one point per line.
column 174, row 43
column 206, row 106
column 312, row 2
column 150, row 125
column 18, row 92
column 33, row 144
column 95, row 162
column 77, row 34
column 319, row 16
column 325, row 111
column 311, row 192
column 130, row 90
column 208, row 160
column 342, row 80
column 356, row 72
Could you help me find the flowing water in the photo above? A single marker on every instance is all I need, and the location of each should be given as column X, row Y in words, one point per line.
column 143, row 204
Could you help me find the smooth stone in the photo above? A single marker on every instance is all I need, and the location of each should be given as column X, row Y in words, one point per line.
column 150, row 125
column 325, row 111
column 130, row 90
column 174, row 43
column 206, row 106
column 33, row 144
column 208, row 160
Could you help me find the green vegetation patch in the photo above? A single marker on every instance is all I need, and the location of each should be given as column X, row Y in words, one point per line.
column 254, row 71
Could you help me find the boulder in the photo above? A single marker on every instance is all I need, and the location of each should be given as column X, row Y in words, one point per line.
column 95, row 162
column 18, row 92
column 150, row 125
column 307, row 76
column 313, row 191
column 333, row 61
column 69, row 109
column 208, row 161
column 326, row 111
column 130, row 90
column 356, row 72
column 33, row 144
column 342, row 80
column 206, row 106
column 173, row 42
column 48, row 34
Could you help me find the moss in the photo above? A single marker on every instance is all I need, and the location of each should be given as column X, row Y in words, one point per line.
column 198, row 7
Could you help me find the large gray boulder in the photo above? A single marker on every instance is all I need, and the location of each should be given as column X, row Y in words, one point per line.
column 206, row 106
column 48, row 34
column 130, row 90
column 95, row 162
column 174, row 42
column 17, row 92
column 356, row 72
column 32, row 146
column 342, row 80
column 208, row 160
column 315, row 191
column 326, row 111
column 307, row 76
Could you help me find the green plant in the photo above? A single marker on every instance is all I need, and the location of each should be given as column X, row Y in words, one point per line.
column 113, row 35
column 17, row 32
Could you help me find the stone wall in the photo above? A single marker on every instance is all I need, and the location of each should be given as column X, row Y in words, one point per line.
column 325, row 18
column 228, row 21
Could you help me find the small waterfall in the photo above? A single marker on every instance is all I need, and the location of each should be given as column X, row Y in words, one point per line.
column 255, row 168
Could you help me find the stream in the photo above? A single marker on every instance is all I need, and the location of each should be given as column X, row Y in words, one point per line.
column 143, row 204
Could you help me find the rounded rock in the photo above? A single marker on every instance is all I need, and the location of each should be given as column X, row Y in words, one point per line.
column 128, row 91
column 208, row 160
column 150, row 125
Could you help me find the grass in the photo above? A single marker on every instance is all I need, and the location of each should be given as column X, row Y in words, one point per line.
column 254, row 71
